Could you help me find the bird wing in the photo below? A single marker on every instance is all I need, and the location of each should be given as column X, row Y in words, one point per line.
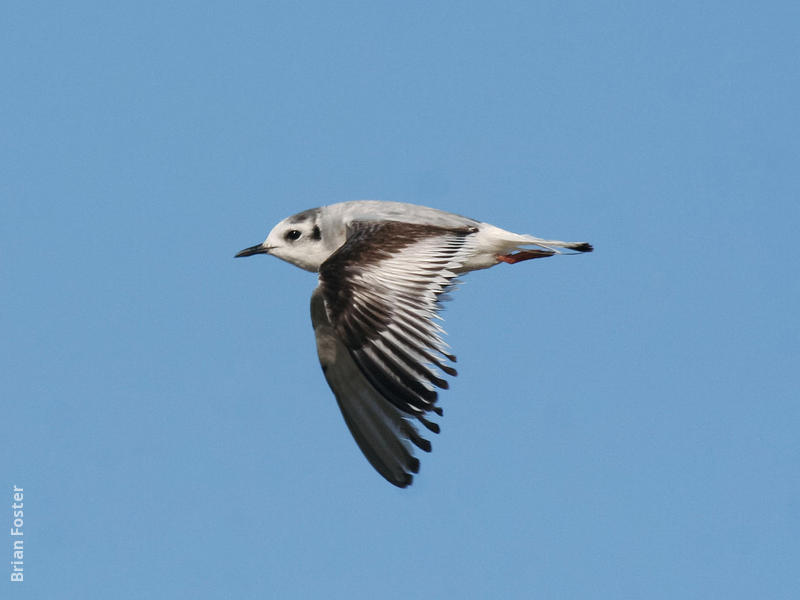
column 374, row 315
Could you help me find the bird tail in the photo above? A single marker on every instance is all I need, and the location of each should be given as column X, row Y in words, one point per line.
column 554, row 245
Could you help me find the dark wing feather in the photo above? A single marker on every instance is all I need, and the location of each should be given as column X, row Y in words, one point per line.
column 378, row 427
column 374, row 316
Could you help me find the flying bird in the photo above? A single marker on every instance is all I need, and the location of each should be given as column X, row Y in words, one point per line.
column 384, row 269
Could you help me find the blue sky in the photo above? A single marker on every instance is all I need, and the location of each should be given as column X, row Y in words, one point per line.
column 624, row 424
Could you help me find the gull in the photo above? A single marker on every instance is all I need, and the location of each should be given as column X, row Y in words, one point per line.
column 384, row 269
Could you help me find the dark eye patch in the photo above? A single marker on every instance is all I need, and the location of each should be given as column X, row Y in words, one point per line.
column 316, row 234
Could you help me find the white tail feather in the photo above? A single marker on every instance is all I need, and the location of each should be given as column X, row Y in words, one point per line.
column 553, row 245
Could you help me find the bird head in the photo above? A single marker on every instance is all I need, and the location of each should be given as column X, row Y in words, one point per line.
column 297, row 239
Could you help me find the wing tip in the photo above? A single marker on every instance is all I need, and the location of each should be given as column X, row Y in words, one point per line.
column 403, row 482
column 407, row 477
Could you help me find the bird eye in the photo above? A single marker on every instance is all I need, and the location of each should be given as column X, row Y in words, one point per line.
column 293, row 234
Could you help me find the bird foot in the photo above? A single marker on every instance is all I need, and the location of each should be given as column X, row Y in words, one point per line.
column 516, row 257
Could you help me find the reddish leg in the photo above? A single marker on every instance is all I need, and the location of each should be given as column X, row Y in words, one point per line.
column 512, row 259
